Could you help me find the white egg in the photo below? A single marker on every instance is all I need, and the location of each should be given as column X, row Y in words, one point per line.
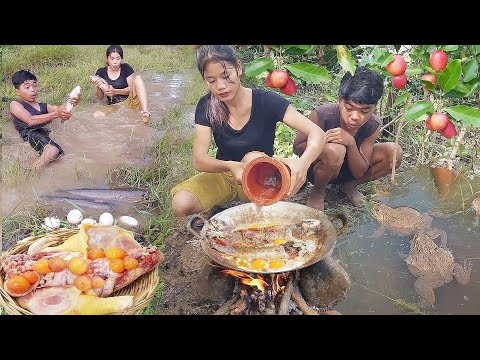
column 106, row 219
column 52, row 223
column 88, row 221
column 127, row 222
column 74, row 217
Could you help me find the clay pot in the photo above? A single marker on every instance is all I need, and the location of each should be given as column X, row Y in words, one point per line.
column 266, row 180
column 444, row 179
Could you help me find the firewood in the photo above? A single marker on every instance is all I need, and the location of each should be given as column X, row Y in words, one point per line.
column 225, row 308
column 238, row 307
column 283, row 307
column 302, row 305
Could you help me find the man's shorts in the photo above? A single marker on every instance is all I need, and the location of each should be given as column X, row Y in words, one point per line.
column 38, row 138
column 212, row 189
column 343, row 176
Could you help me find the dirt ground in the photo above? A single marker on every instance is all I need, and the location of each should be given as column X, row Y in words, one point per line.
column 191, row 285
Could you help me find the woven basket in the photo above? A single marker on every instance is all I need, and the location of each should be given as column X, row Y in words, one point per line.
column 142, row 289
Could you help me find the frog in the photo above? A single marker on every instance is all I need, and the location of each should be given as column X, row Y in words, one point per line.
column 434, row 266
column 401, row 220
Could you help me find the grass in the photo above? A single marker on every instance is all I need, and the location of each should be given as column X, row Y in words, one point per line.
column 58, row 69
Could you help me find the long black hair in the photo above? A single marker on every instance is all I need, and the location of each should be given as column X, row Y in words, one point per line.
column 216, row 110
column 114, row 48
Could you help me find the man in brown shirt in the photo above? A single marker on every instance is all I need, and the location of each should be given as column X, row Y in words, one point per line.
column 351, row 156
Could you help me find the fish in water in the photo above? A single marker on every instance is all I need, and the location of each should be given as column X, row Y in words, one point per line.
column 130, row 195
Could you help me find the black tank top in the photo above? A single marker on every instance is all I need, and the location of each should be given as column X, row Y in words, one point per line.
column 258, row 134
column 22, row 126
column 329, row 118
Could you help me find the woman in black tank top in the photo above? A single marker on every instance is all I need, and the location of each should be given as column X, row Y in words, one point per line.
column 242, row 122
column 118, row 84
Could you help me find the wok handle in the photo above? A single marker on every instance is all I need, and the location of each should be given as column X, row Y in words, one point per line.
column 193, row 218
column 342, row 218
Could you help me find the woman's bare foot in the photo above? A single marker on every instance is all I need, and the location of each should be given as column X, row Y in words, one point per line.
column 145, row 114
column 316, row 198
column 355, row 196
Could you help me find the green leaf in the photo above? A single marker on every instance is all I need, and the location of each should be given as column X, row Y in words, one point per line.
column 385, row 59
column 449, row 77
column 257, row 66
column 463, row 87
column 418, row 109
column 460, row 91
column 470, row 70
column 299, row 49
column 466, row 114
column 377, row 52
column 475, row 49
column 475, row 84
column 428, row 84
column 311, row 73
column 400, row 99
column 345, row 58
column 414, row 70
column 449, row 48
column 454, row 94
column 429, row 48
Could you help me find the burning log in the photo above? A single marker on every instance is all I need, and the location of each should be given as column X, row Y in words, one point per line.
column 283, row 307
column 322, row 285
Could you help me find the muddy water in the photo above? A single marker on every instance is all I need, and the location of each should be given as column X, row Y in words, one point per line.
column 92, row 145
column 377, row 271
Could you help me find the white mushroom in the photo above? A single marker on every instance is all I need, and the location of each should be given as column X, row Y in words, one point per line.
column 74, row 217
column 106, row 219
column 88, row 221
column 127, row 222
column 52, row 223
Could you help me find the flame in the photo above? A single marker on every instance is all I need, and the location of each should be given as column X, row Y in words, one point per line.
column 259, row 283
column 276, row 286
column 248, row 279
column 278, row 281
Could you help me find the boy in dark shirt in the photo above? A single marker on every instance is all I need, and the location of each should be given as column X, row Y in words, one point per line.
column 30, row 117
column 351, row 155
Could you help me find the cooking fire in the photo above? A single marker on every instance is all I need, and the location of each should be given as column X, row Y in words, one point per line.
column 268, row 250
column 267, row 294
